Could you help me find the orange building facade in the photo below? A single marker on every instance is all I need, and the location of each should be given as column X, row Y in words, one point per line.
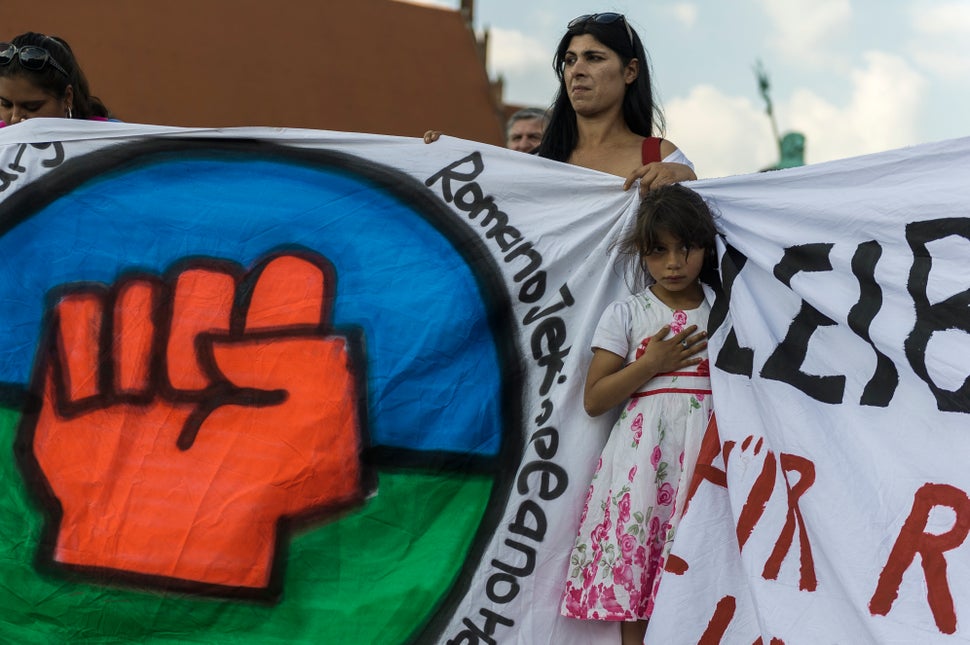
column 380, row 66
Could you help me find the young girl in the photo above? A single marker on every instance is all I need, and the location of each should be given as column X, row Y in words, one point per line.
column 648, row 351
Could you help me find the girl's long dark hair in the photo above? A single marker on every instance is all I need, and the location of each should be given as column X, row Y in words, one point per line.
column 641, row 113
column 684, row 215
column 52, row 80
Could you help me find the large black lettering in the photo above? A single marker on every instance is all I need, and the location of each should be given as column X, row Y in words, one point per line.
column 534, row 288
column 553, row 479
column 15, row 165
column 505, row 236
column 785, row 362
column 534, row 260
column 545, row 449
column 881, row 387
column 58, row 150
column 6, row 179
column 732, row 358
column 546, row 413
column 534, row 529
column 452, row 173
column 501, row 588
column 473, row 634
column 524, row 569
column 566, row 301
column 952, row 313
column 473, row 201
column 469, row 197
column 547, row 349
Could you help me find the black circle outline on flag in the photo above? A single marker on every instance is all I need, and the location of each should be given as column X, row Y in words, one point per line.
column 61, row 181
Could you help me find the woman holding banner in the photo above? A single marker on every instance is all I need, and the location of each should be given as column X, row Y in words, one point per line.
column 604, row 116
column 39, row 77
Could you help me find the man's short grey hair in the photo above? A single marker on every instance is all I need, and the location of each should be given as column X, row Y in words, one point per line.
column 527, row 114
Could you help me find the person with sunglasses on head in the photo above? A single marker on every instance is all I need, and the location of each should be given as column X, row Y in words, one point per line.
column 40, row 77
column 604, row 116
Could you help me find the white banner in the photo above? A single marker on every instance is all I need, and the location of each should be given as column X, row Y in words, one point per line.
column 829, row 504
column 842, row 399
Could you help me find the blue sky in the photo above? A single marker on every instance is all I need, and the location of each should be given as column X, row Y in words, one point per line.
column 855, row 76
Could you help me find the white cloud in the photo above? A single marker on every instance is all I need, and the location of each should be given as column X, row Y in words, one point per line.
column 525, row 64
column 945, row 18
column 942, row 39
column 685, row 13
column 723, row 135
column 802, row 28
column 883, row 111
column 513, row 51
column 946, row 64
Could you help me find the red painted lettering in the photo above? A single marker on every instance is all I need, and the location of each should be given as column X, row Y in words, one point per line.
column 754, row 506
column 723, row 613
column 806, row 470
column 914, row 538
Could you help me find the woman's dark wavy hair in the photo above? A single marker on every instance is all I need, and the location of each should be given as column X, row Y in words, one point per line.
column 51, row 80
column 679, row 212
column 640, row 112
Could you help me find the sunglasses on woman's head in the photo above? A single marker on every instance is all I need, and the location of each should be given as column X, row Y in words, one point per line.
column 30, row 56
column 602, row 18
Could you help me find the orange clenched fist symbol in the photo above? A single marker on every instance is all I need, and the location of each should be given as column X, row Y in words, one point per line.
column 180, row 420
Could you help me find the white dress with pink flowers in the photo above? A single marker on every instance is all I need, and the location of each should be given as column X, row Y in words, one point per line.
column 632, row 507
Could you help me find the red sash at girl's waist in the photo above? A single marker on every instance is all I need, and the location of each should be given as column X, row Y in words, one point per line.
column 677, row 383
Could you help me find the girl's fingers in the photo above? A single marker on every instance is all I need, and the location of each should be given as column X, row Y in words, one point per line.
column 684, row 334
column 689, row 341
column 697, row 338
column 659, row 336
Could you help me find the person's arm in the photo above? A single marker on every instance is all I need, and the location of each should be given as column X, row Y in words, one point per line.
column 609, row 382
column 674, row 168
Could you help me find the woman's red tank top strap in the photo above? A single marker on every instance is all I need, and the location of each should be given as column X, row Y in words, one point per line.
column 651, row 150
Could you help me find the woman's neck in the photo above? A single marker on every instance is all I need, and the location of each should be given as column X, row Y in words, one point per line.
column 602, row 130
column 607, row 145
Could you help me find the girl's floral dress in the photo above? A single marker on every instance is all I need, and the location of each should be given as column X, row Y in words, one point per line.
column 631, row 510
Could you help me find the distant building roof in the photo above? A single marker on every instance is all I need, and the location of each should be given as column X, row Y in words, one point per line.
column 379, row 66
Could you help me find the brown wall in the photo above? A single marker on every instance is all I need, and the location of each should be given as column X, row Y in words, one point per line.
column 377, row 66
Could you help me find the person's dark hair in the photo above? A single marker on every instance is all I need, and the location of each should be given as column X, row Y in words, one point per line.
column 51, row 80
column 680, row 212
column 642, row 115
